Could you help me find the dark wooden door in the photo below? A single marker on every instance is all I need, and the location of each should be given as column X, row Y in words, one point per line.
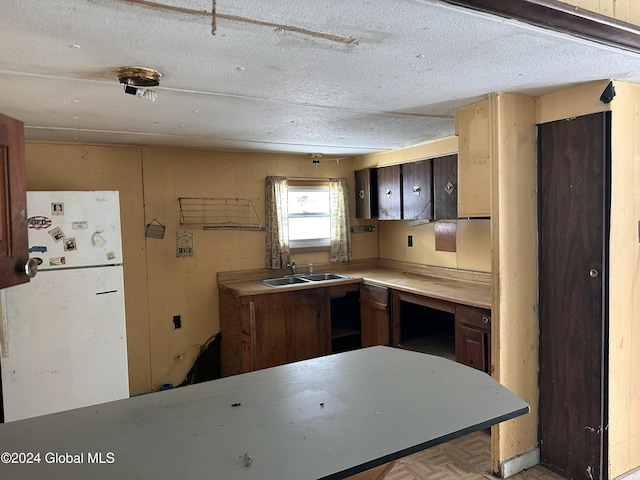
column 416, row 191
column 366, row 193
column 445, row 187
column 574, row 163
column 389, row 193
column 14, row 251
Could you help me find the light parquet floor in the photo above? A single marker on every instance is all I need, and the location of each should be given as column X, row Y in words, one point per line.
column 465, row 458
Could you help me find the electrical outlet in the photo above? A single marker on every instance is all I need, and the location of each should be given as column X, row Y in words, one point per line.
column 177, row 321
column 410, row 240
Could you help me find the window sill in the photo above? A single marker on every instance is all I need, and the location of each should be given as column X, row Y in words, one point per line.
column 310, row 249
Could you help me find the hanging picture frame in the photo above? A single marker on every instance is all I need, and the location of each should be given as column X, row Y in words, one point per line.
column 154, row 230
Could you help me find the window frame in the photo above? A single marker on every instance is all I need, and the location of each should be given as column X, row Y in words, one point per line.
column 310, row 245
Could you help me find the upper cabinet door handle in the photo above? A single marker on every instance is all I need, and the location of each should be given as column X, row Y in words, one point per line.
column 449, row 188
column 387, row 193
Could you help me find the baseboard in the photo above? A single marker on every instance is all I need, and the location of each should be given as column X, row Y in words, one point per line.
column 520, row 462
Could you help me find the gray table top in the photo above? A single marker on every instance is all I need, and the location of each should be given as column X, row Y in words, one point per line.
column 324, row 418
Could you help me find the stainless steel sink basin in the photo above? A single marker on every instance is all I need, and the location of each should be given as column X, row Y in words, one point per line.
column 319, row 277
column 283, row 281
column 301, row 278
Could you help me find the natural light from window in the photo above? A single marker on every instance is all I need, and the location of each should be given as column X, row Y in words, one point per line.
column 309, row 210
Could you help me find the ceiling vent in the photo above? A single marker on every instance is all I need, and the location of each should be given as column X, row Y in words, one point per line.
column 137, row 81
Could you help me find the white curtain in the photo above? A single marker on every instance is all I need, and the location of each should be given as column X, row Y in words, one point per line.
column 340, row 224
column 276, row 223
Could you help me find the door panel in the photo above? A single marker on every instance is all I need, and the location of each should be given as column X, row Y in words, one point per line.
column 309, row 334
column 67, row 342
column 389, row 193
column 574, row 158
column 14, row 251
column 445, row 187
column 366, row 193
column 271, row 314
column 471, row 347
column 416, row 190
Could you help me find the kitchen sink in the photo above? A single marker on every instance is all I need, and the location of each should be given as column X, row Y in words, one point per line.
column 319, row 277
column 283, row 281
column 301, row 278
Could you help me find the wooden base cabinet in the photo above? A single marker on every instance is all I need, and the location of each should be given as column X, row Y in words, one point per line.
column 473, row 337
column 262, row 331
column 374, row 315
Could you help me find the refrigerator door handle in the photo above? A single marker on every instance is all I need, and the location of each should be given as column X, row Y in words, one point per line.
column 4, row 330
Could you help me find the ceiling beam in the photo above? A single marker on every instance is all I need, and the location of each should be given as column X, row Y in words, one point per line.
column 561, row 17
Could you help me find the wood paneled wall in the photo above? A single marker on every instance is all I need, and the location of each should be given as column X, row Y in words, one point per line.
column 625, row 10
column 157, row 284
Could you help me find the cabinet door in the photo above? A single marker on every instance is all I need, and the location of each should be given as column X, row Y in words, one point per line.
column 416, row 191
column 366, row 193
column 389, row 193
column 309, row 327
column 445, row 187
column 268, row 315
column 374, row 315
column 374, row 321
column 14, row 250
column 471, row 347
column 474, row 130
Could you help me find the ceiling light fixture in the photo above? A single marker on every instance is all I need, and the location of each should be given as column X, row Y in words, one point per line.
column 137, row 81
column 315, row 159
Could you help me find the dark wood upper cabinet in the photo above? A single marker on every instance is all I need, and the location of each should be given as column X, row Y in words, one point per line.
column 445, row 187
column 420, row 190
column 416, row 190
column 389, row 193
column 14, row 250
column 367, row 193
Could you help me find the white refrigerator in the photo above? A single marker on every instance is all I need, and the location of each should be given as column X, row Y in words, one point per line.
column 63, row 336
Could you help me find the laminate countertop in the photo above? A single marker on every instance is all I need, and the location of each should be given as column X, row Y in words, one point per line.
column 455, row 290
column 322, row 418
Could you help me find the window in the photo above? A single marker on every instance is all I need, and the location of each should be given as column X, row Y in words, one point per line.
column 309, row 214
column 315, row 214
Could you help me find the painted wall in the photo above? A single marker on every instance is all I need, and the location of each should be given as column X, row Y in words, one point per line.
column 473, row 238
column 625, row 10
column 514, row 318
column 86, row 167
column 624, row 289
column 157, row 284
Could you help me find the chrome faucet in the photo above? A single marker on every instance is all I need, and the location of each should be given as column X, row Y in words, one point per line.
column 292, row 266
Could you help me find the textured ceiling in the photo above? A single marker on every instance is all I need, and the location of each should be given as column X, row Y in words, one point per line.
column 337, row 77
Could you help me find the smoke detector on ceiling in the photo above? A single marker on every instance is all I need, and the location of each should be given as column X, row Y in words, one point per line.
column 137, row 81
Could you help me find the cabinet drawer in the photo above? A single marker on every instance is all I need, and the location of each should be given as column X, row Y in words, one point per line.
column 374, row 293
column 478, row 317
